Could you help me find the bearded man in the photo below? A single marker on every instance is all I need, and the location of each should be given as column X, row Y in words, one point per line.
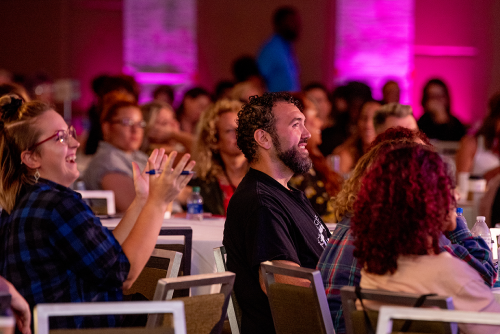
column 267, row 219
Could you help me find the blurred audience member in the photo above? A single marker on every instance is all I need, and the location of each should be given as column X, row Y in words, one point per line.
column 406, row 255
column 392, row 115
column 437, row 122
column 5, row 76
column 13, row 88
column 318, row 94
column 220, row 164
column 479, row 154
column 390, row 92
column 245, row 68
column 320, row 182
column 243, row 90
column 194, row 103
column 277, row 60
column 101, row 86
column 223, row 90
column 111, row 166
column 347, row 101
column 164, row 93
column 358, row 144
column 42, row 87
column 163, row 130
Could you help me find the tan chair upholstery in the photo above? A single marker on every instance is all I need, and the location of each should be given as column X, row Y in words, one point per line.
column 355, row 321
column 233, row 309
column 162, row 264
column 389, row 313
column 288, row 301
column 204, row 313
column 42, row 312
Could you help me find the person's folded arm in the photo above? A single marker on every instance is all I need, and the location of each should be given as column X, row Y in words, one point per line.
column 473, row 250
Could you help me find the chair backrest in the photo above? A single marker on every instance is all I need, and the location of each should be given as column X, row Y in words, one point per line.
column 389, row 313
column 42, row 312
column 287, row 301
column 108, row 195
column 233, row 309
column 495, row 232
column 205, row 313
column 354, row 319
column 162, row 264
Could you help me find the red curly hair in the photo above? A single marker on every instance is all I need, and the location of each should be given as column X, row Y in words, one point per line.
column 401, row 208
column 400, row 132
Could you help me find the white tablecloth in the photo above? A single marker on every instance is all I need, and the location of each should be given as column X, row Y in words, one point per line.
column 207, row 234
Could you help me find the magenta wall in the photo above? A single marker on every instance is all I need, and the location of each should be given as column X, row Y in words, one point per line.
column 83, row 38
column 470, row 26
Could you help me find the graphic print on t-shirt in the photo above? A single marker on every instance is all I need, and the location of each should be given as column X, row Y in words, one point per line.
column 322, row 241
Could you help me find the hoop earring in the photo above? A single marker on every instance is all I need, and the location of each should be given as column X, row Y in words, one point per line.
column 36, row 175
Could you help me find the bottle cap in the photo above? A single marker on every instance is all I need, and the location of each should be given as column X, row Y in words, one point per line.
column 481, row 218
column 460, row 210
column 196, row 189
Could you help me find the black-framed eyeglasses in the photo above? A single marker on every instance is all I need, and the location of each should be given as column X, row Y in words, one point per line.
column 129, row 122
column 60, row 135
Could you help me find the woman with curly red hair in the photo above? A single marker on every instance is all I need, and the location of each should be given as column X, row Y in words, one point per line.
column 404, row 204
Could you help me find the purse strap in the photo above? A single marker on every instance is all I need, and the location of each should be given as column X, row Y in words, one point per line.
column 420, row 301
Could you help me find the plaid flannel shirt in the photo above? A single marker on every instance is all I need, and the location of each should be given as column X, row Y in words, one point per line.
column 55, row 250
column 339, row 267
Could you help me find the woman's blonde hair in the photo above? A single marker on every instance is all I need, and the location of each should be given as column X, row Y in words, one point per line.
column 344, row 201
column 208, row 160
column 18, row 133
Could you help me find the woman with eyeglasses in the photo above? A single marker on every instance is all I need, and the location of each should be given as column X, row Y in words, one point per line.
column 111, row 167
column 53, row 248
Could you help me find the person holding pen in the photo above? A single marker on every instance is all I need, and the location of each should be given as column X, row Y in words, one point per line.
column 54, row 249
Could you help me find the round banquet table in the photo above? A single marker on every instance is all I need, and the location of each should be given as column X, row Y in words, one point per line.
column 207, row 235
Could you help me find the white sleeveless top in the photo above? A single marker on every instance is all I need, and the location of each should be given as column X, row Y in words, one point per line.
column 484, row 160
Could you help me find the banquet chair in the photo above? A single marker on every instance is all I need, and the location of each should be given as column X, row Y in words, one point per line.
column 204, row 313
column 495, row 232
column 287, row 301
column 389, row 313
column 233, row 309
column 42, row 312
column 355, row 321
column 161, row 264
column 95, row 198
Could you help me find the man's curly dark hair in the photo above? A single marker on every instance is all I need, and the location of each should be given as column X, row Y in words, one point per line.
column 258, row 114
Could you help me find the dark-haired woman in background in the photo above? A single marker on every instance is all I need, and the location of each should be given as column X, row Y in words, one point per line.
column 54, row 249
column 437, row 122
column 404, row 205
column 111, row 167
column 194, row 103
column 479, row 154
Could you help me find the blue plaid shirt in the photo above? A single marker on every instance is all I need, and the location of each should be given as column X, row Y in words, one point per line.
column 55, row 250
column 339, row 267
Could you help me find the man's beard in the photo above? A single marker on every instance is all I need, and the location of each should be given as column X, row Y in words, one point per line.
column 292, row 158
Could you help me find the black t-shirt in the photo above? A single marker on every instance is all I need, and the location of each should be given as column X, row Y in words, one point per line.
column 265, row 222
column 454, row 130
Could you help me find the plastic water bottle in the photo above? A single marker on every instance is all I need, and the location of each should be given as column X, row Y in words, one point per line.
column 481, row 229
column 195, row 205
column 460, row 216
